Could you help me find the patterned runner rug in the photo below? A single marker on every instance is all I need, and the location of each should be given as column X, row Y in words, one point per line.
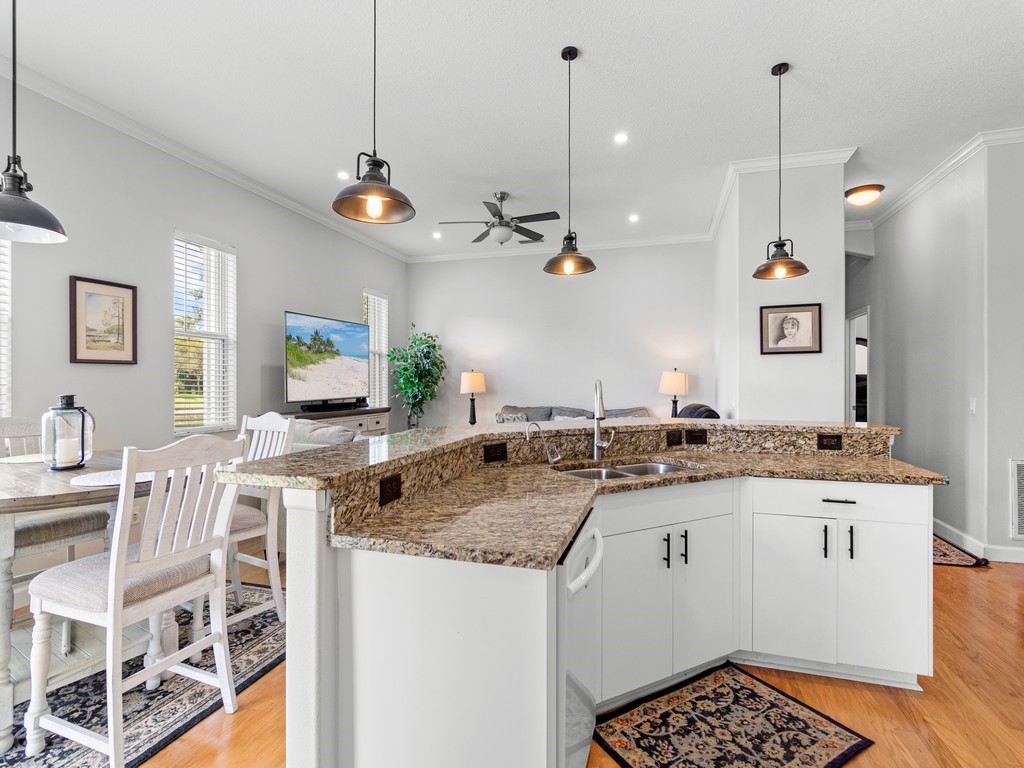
column 725, row 718
column 153, row 719
column 945, row 553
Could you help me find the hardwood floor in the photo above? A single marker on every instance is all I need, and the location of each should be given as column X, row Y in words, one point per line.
column 971, row 713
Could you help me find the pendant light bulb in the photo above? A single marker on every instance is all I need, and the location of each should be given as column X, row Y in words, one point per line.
column 780, row 265
column 372, row 199
column 569, row 267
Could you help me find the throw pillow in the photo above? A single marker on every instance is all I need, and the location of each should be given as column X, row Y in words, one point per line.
column 629, row 413
column 509, row 418
column 313, row 432
column 533, row 413
column 571, row 413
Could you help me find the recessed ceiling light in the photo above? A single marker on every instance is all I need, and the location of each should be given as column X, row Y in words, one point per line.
column 633, row 218
column 621, row 138
column 437, row 235
column 865, row 194
column 343, row 175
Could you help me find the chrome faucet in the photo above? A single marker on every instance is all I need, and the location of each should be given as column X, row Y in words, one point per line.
column 553, row 455
column 600, row 446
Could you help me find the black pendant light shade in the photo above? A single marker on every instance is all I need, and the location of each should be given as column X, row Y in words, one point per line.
column 21, row 219
column 569, row 260
column 780, row 264
column 372, row 198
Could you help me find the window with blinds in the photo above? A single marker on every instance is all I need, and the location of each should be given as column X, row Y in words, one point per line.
column 5, row 328
column 205, row 397
column 375, row 315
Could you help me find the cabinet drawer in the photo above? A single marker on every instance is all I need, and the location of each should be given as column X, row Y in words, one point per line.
column 853, row 501
column 653, row 507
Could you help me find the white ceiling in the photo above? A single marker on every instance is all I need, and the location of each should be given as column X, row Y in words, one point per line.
column 472, row 96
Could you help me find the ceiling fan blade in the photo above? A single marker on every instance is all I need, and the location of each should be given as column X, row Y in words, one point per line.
column 549, row 216
column 463, row 222
column 528, row 233
column 482, row 236
column 531, row 242
column 494, row 210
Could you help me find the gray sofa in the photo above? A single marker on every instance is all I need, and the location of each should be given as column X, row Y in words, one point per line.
column 513, row 413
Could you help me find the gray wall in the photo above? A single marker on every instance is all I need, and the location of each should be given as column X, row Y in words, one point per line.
column 120, row 201
column 543, row 340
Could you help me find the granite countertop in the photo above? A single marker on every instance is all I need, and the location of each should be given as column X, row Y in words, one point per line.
column 526, row 516
column 522, row 513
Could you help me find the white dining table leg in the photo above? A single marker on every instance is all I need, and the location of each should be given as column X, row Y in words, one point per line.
column 6, row 611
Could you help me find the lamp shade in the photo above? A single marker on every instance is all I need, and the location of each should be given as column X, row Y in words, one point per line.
column 372, row 199
column 501, row 234
column 569, row 260
column 472, row 382
column 674, row 382
column 24, row 220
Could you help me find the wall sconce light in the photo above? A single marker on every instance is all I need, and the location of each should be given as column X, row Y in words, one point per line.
column 674, row 382
column 472, row 382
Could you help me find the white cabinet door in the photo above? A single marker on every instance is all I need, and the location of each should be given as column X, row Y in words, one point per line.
column 885, row 596
column 794, row 593
column 637, row 617
column 703, row 591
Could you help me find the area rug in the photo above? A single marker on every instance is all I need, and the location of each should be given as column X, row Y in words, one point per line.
column 947, row 553
column 153, row 719
column 725, row 718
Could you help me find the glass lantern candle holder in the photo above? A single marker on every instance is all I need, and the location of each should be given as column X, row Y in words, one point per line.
column 67, row 435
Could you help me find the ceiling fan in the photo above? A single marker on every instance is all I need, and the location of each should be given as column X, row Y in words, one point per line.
column 501, row 228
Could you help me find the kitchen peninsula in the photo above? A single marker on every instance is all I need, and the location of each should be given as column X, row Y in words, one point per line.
column 427, row 607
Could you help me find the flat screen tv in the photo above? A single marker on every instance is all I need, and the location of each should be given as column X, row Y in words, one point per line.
column 325, row 359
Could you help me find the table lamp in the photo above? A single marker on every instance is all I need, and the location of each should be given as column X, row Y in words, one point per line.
column 674, row 382
column 473, row 382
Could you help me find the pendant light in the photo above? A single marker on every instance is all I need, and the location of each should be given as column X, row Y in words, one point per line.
column 21, row 219
column 372, row 199
column 569, row 260
column 780, row 265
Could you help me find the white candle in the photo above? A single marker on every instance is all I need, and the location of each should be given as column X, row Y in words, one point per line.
column 67, row 452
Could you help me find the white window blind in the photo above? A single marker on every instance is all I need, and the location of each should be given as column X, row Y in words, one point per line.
column 205, row 396
column 375, row 315
column 5, row 328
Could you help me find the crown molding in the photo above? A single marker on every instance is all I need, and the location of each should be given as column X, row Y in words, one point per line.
column 947, row 166
column 860, row 224
column 71, row 99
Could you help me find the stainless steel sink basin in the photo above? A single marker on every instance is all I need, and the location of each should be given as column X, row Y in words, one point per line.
column 598, row 473
column 651, row 468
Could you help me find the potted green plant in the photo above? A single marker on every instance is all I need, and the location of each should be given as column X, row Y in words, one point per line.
column 418, row 370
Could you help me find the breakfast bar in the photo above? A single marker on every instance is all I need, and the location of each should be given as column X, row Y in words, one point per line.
column 432, row 576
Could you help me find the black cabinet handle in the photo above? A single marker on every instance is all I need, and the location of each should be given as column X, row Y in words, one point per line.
column 685, row 536
column 851, row 542
column 668, row 550
column 825, row 539
column 839, row 501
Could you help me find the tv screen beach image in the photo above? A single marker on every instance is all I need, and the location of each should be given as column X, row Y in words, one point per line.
column 325, row 359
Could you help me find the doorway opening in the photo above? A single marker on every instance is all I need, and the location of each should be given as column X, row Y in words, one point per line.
column 857, row 335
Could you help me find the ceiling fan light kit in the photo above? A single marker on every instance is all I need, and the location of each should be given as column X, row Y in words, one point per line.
column 372, row 199
column 22, row 220
column 569, row 261
column 780, row 264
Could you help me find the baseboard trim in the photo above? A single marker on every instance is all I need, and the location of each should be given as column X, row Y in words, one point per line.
column 994, row 554
column 841, row 671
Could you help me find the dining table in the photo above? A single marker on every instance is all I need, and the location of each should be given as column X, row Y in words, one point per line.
column 28, row 485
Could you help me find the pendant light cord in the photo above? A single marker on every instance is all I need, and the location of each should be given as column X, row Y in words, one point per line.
column 14, row 78
column 569, row 143
column 374, row 78
column 780, row 156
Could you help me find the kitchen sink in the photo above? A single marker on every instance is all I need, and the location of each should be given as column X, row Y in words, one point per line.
column 651, row 468
column 597, row 473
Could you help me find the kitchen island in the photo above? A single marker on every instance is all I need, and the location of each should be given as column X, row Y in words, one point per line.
column 424, row 598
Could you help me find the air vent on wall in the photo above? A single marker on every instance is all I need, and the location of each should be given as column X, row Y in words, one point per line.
column 1017, row 498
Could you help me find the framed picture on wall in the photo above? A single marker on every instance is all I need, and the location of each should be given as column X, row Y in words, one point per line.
column 103, row 319
column 788, row 329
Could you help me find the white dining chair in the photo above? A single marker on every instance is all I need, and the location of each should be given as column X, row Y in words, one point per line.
column 269, row 435
column 42, row 532
column 182, row 551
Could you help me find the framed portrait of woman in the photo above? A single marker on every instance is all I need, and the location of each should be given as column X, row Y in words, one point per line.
column 788, row 329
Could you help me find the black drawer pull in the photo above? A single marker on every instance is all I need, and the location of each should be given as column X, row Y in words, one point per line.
column 839, row 501
column 825, row 539
column 668, row 550
column 851, row 542
column 685, row 536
